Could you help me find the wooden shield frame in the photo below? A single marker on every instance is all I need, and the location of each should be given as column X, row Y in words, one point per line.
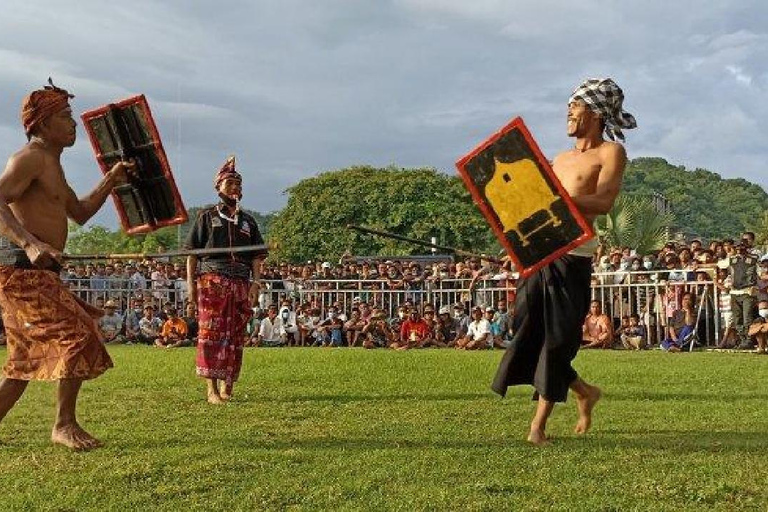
column 531, row 214
column 123, row 130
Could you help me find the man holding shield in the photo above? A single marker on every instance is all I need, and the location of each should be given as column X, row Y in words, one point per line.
column 52, row 334
column 551, row 304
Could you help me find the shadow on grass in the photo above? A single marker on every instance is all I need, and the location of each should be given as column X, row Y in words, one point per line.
column 677, row 442
column 670, row 395
column 348, row 398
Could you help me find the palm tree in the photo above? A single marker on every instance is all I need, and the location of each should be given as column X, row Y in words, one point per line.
column 635, row 222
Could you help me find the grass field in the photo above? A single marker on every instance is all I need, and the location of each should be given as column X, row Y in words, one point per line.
column 317, row 429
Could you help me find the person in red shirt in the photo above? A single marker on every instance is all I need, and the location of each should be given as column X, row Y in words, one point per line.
column 413, row 331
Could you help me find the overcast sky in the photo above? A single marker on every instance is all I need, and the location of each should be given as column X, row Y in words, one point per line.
column 297, row 87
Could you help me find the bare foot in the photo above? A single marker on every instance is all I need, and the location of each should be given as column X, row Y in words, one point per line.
column 538, row 438
column 213, row 398
column 74, row 437
column 586, row 404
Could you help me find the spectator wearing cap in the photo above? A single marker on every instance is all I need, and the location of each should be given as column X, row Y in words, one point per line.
column 111, row 323
column 376, row 332
column 174, row 331
column 478, row 332
column 434, row 336
column 742, row 267
column 448, row 326
column 462, row 319
column 150, row 326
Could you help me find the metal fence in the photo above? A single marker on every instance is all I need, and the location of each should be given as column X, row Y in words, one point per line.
column 619, row 293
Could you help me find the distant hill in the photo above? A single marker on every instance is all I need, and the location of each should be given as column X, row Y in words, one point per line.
column 702, row 201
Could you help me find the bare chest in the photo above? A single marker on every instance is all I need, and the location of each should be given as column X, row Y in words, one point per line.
column 50, row 187
column 578, row 172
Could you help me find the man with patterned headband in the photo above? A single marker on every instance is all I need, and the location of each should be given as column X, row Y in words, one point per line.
column 551, row 304
column 222, row 290
column 52, row 334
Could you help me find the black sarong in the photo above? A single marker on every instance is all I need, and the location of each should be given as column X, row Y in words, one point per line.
column 550, row 308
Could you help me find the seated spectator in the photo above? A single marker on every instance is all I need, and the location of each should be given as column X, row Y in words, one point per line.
column 377, row 333
column 174, row 332
column 353, row 328
column 190, row 318
column 150, row 326
column 478, row 332
column 330, row 332
column 397, row 321
column 619, row 330
column 413, row 331
column 681, row 326
column 434, row 337
column 252, row 328
column 132, row 318
column 633, row 336
column 496, row 336
column 111, row 324
column 269, row 335
column 597, row 331
column 448, row 326
column 287, row 325
column 758, row 329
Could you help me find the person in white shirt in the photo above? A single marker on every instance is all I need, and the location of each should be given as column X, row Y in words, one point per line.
column 478, row 332
column 269, row 335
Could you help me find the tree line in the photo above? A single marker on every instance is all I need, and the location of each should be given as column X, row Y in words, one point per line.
column 424, row 203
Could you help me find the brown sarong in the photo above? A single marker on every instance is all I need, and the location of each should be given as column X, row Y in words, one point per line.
column 51, row 333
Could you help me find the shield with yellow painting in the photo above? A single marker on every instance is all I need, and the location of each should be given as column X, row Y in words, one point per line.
column 529, row 211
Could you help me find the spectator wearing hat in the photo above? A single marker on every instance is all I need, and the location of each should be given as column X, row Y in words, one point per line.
column 447, row 325
column 478, row 332
column 174, row 331
column 434, row 337
column 377, row 333
column 150, row 326
column 111, row 324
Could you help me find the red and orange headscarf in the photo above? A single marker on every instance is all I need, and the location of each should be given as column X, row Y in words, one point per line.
column 41, row 104
column 227, row 171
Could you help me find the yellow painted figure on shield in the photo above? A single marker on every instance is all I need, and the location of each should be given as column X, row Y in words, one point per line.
column 516, row 192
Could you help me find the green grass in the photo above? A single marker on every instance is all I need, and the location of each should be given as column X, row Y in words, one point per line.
column 317, row 429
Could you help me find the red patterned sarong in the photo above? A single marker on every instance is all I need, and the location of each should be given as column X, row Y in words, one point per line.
column 224, row 312
column 51, row 333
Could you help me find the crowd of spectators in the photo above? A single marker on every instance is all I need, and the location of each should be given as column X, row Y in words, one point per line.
column 671, row 298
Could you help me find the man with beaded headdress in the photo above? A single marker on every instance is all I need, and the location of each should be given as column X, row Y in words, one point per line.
column 52, row 333
column 221, row 286
column 551, row 304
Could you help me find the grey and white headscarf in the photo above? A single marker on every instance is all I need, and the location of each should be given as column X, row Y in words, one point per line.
column 604, row 97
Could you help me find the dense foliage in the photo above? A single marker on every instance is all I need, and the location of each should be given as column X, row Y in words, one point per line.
column 419, row 203
column 703, row 203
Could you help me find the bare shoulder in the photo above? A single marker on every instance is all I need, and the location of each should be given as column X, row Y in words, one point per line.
column 612, row 150
column 28, row 160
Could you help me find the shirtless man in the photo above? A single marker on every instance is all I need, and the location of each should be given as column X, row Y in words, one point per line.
column 551, row 304
column 52, row 334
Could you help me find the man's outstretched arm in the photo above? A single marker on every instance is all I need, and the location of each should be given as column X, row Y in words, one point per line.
column 82, row 209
